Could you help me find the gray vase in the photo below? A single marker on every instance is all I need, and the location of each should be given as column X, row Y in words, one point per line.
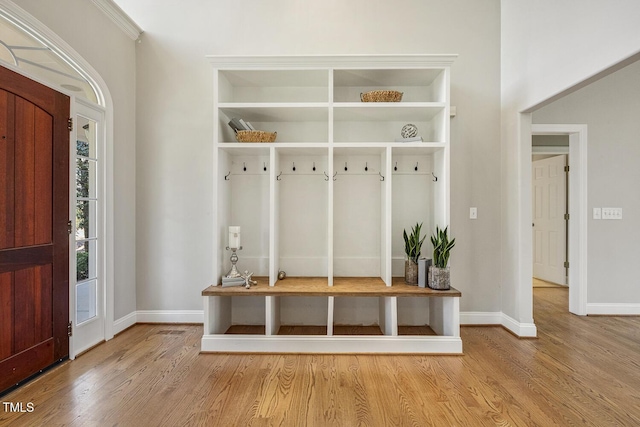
column 410, row 272
column 439, row 278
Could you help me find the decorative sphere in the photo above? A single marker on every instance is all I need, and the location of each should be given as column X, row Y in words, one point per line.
column 409, row 131
column 281, row 275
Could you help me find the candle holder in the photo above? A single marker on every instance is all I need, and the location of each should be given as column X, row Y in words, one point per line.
column 234, row 259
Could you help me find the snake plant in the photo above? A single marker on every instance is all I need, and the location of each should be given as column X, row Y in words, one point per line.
column 441, row 247
column 413, row 243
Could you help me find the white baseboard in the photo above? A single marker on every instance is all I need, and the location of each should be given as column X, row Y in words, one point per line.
column 124, row 322
column 466, row 318
column 613, row 309
column 330, row 344
column 523, row 330
column 480, row 318
column 170, row 316
column 158, row 316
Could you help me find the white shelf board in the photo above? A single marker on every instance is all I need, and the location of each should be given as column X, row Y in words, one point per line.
column 385, row 77
column 245, row 148
column 277, row 78
column 358, row 148
column 277, row 112
column 386, row 111
column 417, row 148
column 285, row 149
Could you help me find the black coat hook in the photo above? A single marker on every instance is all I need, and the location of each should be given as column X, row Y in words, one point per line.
column 278, row 177
column 294, row 166
column 345, row 166
column 366, row 166
column 435, row 178
column 395, row 168
column 264, row 167
column 314, row 166
column 416, row 168
column 244, row 166
column 226, row 177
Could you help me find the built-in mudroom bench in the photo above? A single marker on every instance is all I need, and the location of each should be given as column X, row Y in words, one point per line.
column 320, row 199
column 222, row 334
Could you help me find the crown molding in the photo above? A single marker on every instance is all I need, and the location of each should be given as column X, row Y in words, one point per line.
column 119, row 17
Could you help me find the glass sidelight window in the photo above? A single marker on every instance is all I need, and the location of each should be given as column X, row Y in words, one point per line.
column 86, row 237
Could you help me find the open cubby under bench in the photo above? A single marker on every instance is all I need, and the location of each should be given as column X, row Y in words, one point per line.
column 440, row 336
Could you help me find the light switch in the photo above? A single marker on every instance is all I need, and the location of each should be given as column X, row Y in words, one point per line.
column 597, row 213
column 473, row 213
column 611, row 213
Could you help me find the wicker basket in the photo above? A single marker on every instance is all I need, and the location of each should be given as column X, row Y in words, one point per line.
column 255, row 136
column 381, row 96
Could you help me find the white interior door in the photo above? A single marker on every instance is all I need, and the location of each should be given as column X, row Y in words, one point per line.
column 549, row 194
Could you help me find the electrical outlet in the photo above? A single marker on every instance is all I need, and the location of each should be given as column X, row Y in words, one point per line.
column 473, row 213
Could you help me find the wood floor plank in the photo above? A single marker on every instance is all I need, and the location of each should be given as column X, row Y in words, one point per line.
column 580, row 371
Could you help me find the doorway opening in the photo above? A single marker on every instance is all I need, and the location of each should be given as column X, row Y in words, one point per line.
column 550, row 209
column 576, row 234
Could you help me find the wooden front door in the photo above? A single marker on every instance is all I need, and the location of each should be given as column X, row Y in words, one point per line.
column 34, row 239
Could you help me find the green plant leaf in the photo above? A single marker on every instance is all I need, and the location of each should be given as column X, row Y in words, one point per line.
column 441, row 246
column 413, row 242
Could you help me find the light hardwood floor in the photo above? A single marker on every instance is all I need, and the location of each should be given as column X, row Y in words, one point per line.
column 579, row 371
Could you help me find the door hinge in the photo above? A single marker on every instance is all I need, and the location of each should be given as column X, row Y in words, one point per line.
column 566, row 217
column 566, row 264
column 566, row 168
column 69, row 227
column 70, row 124
column 70, row 329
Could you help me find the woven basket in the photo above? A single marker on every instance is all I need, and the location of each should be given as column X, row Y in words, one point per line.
column 255, row 136
column 381, row 96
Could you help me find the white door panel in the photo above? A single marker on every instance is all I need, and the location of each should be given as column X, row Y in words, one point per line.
column 549, row 225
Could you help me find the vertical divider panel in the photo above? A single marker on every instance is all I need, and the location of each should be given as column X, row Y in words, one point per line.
column 330, row 305
column 218, row 310
column 272, row 303
column 274, row 217
column 441, row 187
column 223, row 212
column 216, row 267
column 388, row 305
column 272, row 313
column 385, row 258
column 330, row 166
column 444, row 316
column 388, row 316
column 442, row 159
column 330, row 214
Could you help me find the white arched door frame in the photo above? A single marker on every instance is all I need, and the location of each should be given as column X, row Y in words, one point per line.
column 39, row 31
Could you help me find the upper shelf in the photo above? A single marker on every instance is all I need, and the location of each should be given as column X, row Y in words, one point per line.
column 312, row 79
column 423, row 85
column 273, row 86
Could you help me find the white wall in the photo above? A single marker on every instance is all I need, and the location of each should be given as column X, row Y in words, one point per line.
column 112, row 54
column 610, row 108
column 174, row 94
column 547, row 47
